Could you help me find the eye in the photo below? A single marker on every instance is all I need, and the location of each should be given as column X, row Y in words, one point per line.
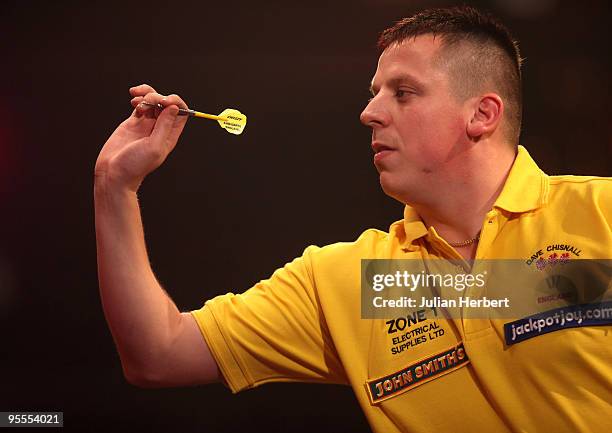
column 400, row 93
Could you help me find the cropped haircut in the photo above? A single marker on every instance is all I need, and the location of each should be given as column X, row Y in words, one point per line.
column 477, row 49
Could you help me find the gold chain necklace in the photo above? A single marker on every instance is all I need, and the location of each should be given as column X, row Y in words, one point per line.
column 465, row 243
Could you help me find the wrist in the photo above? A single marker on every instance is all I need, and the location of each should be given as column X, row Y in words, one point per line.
column 111, row 192
column 107, row 180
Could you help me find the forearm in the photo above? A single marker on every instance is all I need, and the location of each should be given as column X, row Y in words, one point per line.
column 141, row 317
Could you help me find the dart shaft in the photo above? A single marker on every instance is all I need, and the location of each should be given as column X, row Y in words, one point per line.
column 186, row 112
column 206, row 116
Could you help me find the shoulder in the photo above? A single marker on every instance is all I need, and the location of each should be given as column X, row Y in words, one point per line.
column 591, row 191
column 369, row 243
column 581, row 182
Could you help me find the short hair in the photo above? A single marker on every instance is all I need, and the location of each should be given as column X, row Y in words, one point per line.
column 483, row 51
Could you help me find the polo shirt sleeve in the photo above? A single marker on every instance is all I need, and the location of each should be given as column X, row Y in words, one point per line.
column 273, row 332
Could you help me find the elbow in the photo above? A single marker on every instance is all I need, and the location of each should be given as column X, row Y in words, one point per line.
column 144, row 377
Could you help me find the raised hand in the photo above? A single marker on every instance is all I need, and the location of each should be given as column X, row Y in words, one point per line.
column 142, row 142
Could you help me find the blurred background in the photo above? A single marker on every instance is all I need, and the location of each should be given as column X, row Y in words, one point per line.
column 224, row 211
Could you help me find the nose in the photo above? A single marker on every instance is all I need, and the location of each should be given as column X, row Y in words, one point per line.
column 374, row 115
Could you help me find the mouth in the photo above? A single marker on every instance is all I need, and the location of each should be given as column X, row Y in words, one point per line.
column 379, row 147
column 381, row 150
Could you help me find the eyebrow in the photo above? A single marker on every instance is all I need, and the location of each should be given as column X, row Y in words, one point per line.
column 400, row 79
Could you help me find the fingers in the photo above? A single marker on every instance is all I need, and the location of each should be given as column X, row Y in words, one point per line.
column 155, row 99
column 141, row 90
column 144, row 92
column 136, row 100
column 138, row 93
column 167, row 127
column 159, row 127
column 164, row 126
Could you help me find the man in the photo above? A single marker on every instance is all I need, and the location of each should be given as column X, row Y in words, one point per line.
column 445, row 117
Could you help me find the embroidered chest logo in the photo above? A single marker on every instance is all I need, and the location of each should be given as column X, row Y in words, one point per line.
column 409, row 331
column 555, row 261
column 417, row 374
column 552, row 255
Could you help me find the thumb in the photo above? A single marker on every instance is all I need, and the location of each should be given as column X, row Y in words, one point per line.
column 163, row 126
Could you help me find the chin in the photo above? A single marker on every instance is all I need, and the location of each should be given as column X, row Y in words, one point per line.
column 391, row 187
column 401, row 190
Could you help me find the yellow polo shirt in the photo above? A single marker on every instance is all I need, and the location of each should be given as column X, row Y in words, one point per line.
column 427, row 373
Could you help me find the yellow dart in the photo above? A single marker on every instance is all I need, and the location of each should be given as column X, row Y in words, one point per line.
column 233, row 121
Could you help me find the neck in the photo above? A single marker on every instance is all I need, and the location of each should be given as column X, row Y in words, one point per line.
column 460, row 217
column 459, row 204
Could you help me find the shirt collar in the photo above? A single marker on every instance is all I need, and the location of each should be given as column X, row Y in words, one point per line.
column 526, row 189
column 414, row 227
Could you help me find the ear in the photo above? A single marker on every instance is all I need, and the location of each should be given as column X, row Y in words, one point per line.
column 486, row 116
